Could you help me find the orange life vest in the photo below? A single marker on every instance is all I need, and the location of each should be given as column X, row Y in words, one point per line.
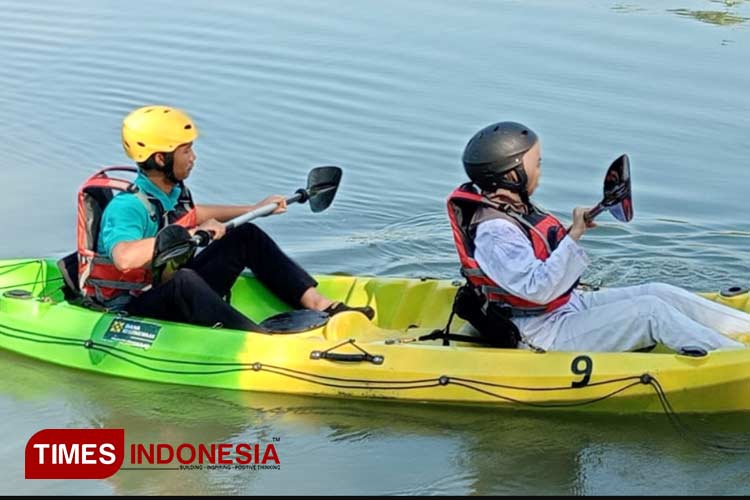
column 543, row 230
column 98, row 277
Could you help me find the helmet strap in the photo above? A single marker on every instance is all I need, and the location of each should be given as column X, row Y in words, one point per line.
column 523, row 181
column 519, row 187
column 168, row 168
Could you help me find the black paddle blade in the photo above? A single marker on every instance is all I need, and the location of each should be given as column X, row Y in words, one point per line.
column 172, row 249
column 617, row 194
column 322, row 184
column 295, row 321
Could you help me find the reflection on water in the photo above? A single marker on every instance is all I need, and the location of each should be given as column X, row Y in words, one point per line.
column 626, row 8
column 356, row 447
column 360, row 447
column 725, row 18
column 729, row 16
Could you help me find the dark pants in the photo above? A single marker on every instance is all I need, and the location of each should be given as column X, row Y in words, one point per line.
column 194, row 294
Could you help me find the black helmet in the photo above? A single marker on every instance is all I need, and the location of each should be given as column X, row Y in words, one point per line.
column 496, row 150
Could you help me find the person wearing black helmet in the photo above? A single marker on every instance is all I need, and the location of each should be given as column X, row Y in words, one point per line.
column 524, row 265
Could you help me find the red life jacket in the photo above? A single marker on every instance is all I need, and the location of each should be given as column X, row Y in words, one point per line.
column 543, row 230
column 98, row 277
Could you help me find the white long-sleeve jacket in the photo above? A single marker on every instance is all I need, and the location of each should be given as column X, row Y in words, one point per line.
column 504, row 253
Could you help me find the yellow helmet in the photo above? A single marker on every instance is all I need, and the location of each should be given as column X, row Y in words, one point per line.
column 156, row 129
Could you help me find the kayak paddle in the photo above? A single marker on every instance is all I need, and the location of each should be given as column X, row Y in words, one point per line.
column 617, row 195
column 174, row 244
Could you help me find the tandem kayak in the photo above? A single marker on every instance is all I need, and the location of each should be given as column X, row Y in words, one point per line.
column 348, row 355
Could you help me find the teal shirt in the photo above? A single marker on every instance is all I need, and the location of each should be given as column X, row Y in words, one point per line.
column 127, row 219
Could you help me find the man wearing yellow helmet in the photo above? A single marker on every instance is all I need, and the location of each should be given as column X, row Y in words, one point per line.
column 160, row 140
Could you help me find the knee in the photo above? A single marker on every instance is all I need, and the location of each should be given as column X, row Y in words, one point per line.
column 649, row 305
column 248, row 229
column 187, row 278
column 662, row 289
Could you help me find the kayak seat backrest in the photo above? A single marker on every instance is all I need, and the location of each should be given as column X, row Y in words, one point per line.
column 463, row 212
column 404, row 304
column 95, row 200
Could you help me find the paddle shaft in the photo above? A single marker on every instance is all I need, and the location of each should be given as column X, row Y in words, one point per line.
column 202, row 238
column 260, row 212
column 589, row 216
column 322, row 184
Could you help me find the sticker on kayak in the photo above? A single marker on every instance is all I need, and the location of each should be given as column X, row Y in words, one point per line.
column 132, row 332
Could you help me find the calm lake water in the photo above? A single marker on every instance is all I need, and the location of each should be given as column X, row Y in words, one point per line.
column 391, row 91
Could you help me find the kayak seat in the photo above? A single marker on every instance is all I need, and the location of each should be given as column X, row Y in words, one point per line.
column 68, row 267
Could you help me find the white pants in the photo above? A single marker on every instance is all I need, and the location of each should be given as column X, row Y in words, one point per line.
column 636, row 317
